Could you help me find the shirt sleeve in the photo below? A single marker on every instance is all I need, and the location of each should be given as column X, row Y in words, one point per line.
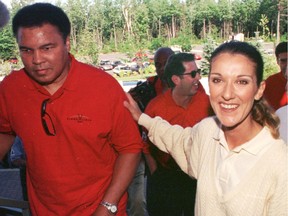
column 5, row 126
column 125, row 134
column 174, row 140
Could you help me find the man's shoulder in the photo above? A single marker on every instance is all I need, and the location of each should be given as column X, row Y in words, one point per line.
column 16, row 77
column 158, row 104
column 152, row 79
column 274, row 77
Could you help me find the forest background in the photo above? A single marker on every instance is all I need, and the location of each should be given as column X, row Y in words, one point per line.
column 140, row 26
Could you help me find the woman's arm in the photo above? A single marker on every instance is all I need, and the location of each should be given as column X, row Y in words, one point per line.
column 171, row 139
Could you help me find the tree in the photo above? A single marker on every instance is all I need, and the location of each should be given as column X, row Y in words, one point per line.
column 8, row 46
column 263, row 23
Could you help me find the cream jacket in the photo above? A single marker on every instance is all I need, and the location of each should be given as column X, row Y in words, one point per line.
column 262, row 192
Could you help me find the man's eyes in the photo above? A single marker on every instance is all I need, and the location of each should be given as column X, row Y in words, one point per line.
column 47, row 48
column 25, row 50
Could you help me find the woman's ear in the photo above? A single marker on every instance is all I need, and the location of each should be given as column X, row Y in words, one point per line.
column 260, row 90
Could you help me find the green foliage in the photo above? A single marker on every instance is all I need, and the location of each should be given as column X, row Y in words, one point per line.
column 270, row 65
column 149, row 70
column 130, row 25
column 183, row 40
column 87, row 46
column 156, row 43
column 7, row 44
column 6, row 67
column 264, row 25
column 208, row 48
column 186, row 47
column 284, row 37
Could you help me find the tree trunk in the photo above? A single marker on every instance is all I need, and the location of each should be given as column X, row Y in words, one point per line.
column 115, row 36
column 127, row 19
column 209, row 27
column 278, row 25
column 159, row 27
column 73, row 37
column 204, row 28
column 173, row 27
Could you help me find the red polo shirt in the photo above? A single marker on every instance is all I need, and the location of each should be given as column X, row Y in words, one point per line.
column 165, row 107
column 67, row 174
column 275, row 92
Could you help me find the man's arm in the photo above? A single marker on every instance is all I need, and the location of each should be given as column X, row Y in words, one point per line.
column 151, row 163
column 6, row 142
column 124, row 171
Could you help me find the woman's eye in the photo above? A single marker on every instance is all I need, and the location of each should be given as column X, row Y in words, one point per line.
column 243, row 82
column 216, row 80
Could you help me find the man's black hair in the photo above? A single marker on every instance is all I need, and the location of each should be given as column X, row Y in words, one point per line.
column 41, row 13
column 174, row 66
column 281, row 48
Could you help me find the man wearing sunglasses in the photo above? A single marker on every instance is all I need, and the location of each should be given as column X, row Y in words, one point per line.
column 82, row 145
column 170, row 191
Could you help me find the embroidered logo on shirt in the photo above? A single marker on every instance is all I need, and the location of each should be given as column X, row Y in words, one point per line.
column 79, row 118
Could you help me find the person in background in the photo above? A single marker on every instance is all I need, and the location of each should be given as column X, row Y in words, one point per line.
column 282, row 112
column 4, row 15
column 4, row 18
column 236, row 156
column 275, row 92
column 160, row 58
column 17, row 154
column 82, row 145
column 17, row 159
column 136, row 205
column 170, row 191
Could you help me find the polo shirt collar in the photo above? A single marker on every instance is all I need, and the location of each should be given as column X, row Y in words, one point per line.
column 253, row 146
column 69, row 84
column 169, row 98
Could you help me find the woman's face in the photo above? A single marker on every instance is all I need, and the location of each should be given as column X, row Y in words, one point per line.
column 233, row 89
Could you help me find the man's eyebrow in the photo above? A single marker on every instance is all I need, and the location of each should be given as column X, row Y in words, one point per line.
column 42, row 46
column 24, row 47
column 48, row 44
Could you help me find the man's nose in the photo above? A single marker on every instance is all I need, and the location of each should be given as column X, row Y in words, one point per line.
column 37, row 57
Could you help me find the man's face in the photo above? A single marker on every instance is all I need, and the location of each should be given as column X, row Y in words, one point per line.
column 45, row 54
column 282, row 62
column 160, row 60
column 188, row 85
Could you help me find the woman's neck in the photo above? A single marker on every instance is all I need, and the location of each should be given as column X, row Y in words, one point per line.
column 241, row 134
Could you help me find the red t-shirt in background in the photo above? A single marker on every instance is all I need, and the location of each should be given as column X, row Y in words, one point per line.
column 275, row 92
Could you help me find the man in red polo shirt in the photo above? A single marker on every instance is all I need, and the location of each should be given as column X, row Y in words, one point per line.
column 82, row 145
column 170, row 191
column 275, row 92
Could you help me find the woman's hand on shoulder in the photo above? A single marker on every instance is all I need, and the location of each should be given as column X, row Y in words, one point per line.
column 133, row 107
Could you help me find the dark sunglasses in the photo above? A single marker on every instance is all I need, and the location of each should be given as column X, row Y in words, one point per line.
column 193, row 73
column 48, row 126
